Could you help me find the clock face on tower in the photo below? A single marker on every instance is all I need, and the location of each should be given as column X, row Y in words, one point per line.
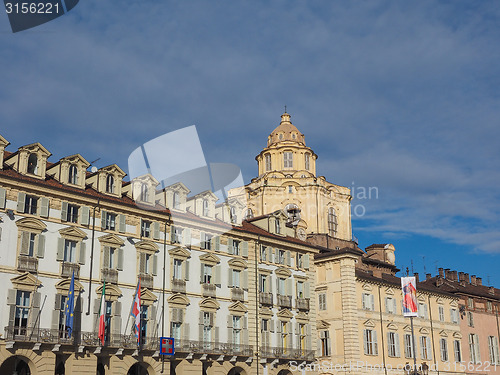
column 301, row 233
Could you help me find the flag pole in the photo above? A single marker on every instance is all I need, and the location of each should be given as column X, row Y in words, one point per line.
column 413, row 338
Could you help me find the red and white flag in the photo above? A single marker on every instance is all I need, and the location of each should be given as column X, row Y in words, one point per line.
column 102, row 311
column 136, row 312
column 410, row 307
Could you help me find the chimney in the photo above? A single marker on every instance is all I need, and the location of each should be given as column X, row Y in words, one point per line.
column 460, row 276
column 447, row 273
column 491, row 290
column 416, row 276
column 466, row 278
column 441, row 272
column 428, row 276
column 479, row 280
column 473, row 279
column 454, row 275
column 439, row 281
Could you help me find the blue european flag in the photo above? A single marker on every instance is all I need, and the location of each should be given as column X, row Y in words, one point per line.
column 69, row 307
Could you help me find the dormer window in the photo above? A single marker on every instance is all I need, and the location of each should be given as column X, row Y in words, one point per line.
column 233, row 215
column 307, row 161
column 73, row 174
column 293, row 136
column 110, row 184
column 288, row 159
column 176, row 200
column 277, row 226
column 33, row 163
column 205, row 207
column 248, row 214
column 144, row 193
column 268, row 162
column 281, row 136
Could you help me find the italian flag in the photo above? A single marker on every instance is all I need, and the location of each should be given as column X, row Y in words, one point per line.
column 102, row 309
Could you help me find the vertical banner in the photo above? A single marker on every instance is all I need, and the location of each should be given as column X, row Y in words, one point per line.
column 408, row 284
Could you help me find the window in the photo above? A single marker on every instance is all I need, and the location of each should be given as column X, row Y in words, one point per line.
column 30, row 205
column 281, row 256
column 300, row 289
column 425, row 347
column 443, row 345
column 474, row 348
column 236, row 330
column 307, row 161
column 263, row 254
column 33, row 164
column 422, row 310
column 236, row 247
column 207, row 327
column 281, row 286
column 144, row 323
column 145, row 228
column 205, row 208
column 293, row 212
column 300, row 261
column 290, row 189
column 325, row 343
column 177, row 269
column 302, row 337
column 236, row 278
column 146, row 259
column 288, row 160
column 277, row 226
column 73, row 174
column 232, row 213
column 368, row 302
column 30, row 249
column 284, row 334
column 175, row 330
column 207, row 274
column 458, row 350
column 470, row 319
column 176, row 235
column 489, row 306
column 176, row 200
column 248, row 214
column 262, row 283
column 393, row 344
column 21, row 312
column 441, row 313
column 268, row 162
column 470, row 303
column 332, row 222
column 107, row 318
column 62, row 316
column 454, row 315
column 370, row 342
column 206, row 241
column 390, row 305
column 493, row 350
column 409, row 346
column 69, row 251
column 110, row 221
column 72, row 213
column 264, row 327
column 110, row 184
column 322, row 301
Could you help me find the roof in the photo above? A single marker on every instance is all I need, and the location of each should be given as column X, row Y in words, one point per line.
column 458, row 288
column 287, row 129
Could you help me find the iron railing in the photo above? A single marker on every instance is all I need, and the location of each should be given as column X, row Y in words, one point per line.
column 286, row 353
column 190, row 346
column 43, row 335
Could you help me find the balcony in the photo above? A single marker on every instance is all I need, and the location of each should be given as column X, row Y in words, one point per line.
column 67, row 269
column 187, row 346
column 237, row 294
column 285, row 301
column 110, row 275
column 27, row 264
column 266, row 298
column 178, row 286
column 146, row 280
column 208, row 290
column 40, row 335
column 286, row 353
column 302, row 303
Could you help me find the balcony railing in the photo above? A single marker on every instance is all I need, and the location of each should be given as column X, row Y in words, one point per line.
column 285, row 301
column 146, row 280
column 178, row 286
column 27, row 264
column 237, row 294
column 42, row 335
column 286, row 353
column 67, row 269
column 187, row 346
column 110, row 275
column 266, row 298
column 302, row 303
column 208, row 290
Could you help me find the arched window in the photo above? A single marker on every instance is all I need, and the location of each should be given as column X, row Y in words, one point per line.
column 205, row 207
column 176, row 200
column 73, row 174
column 293, row 212
column 144, row 193
column 248, row 214
column 110, row 184
column 268, row 162
column 288, row 159
column 33, row 164
column 232, row 212
column 307, row 161
column 332, row 222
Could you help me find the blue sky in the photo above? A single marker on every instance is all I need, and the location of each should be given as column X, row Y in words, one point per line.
column 399, row 96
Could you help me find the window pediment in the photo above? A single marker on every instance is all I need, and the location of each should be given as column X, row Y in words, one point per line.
column 178, row 300
column 179, row 187
column 209, row 259
column 113, row 169
column 63, row 286
column 147, row 246
column 407, row 328
column 148, row 296
column 31, row 224
column 266, row 311
column 322, row 324
column 179, row 253
column 454, row 304
column 369, row 323
column 440, row 301
column 112, row 291
column 72, row 233
column 421, row 298
column 284, row 314
column 389, row 291
column 238, row 308
column 25, row 281
column 111, row 240
column 302, row 317
column 209, row 304
column 367, row 287
column 457, row 335
column 443, row 333
column 238, row 264
column 392, row 326
column 424, row 330
column 283, row 272
column 263, row 271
